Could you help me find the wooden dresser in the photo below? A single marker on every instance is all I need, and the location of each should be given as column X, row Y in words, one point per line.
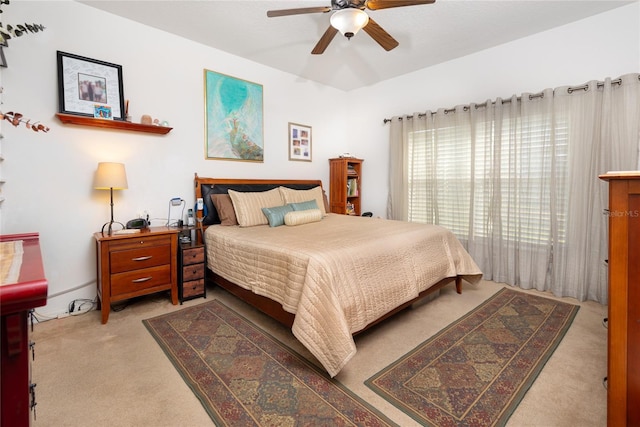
column 23, row 287
column 131, row 265
column 623, row 368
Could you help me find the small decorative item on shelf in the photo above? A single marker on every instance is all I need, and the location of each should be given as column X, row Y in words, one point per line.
column 146, row 120
column 157, row 122
column 127, row 116
column 350, row 209
column 102, row 112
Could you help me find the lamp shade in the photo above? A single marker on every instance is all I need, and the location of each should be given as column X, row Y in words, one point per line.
column 110, row 175
column 349, row 21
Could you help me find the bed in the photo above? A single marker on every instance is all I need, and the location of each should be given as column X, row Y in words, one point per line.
column 326, row 276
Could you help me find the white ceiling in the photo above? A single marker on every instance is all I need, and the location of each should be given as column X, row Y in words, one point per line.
column 428, row 34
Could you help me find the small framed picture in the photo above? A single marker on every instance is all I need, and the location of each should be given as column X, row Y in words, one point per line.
column 299, row 142
column 102, row 112
column 84, row 83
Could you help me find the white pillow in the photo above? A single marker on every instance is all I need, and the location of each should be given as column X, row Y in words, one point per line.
column 290, row 195
column 248, row 206
column 302, row 217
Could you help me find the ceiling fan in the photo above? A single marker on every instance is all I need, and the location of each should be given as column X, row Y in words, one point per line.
column 349, row 17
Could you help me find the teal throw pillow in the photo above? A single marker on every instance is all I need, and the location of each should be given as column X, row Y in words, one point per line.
column 303, row 206
column 275, row 215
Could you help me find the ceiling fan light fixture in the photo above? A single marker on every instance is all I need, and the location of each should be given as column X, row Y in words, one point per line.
column 349, row 21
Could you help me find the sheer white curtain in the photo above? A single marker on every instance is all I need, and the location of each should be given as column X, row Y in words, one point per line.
column 517, row 180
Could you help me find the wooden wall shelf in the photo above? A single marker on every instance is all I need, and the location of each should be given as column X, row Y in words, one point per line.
column 112, row 124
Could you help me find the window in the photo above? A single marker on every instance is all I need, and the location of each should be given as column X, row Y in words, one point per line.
column 497, row 183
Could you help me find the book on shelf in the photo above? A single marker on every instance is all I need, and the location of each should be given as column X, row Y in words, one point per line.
column 352, row 187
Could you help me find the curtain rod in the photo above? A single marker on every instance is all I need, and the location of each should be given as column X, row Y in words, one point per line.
column 506, row 100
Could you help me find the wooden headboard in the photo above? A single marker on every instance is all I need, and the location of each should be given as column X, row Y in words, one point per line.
column 205, row 187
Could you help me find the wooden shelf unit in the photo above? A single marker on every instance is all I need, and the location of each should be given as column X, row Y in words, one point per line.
column 344, row 173
column 112, row 124
column 623, row 352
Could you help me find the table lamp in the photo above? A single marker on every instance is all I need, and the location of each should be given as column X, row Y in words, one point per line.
column 110, row 176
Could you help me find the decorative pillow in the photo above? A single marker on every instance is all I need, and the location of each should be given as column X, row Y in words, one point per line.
column 303, row 217
column 275, row 215
column 248, row 206
column 303, row 206
column 296, row 196
column 224, row 206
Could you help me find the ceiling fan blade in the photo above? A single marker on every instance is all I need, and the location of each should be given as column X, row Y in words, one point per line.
column 299, row 11
column 386, row 4
column 383, row 38
column 324, row 41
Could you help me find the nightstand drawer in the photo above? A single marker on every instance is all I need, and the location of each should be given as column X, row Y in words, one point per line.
column 192, row 272
column 133, row 281
column 140, row 257
column 142, row 240
column 193, row 288
column 193, row 255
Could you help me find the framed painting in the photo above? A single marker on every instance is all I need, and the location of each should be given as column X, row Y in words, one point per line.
column 84, row 84
column 299, row 142
column 233, row 118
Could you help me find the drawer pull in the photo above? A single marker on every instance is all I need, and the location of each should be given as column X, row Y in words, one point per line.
column 143, row 279
column 142, row 258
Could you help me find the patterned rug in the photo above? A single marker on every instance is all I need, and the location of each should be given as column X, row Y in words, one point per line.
column 476, row 371
column 245, row 377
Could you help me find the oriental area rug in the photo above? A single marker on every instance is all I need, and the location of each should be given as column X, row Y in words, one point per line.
column 245, row 377
column 476, row 371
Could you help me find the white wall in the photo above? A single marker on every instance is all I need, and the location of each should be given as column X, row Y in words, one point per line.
column 606, row 45
column 49, row 176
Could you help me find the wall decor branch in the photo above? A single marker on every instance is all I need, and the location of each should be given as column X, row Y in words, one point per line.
column 17, row 118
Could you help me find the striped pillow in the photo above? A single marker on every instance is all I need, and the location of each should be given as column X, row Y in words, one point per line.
column 248, row 205
column 290, row 195
column 303, row 217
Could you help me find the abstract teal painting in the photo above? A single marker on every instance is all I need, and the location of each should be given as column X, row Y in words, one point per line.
column 233, row 118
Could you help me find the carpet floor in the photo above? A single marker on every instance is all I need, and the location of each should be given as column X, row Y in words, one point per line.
column 116, row 374
column 245, row 377
column 476, row 371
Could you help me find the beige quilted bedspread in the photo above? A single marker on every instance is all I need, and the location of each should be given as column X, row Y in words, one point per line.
column 339, row 274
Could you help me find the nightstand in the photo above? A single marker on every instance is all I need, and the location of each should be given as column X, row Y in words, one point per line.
column 131, row 265
column 191, row 257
